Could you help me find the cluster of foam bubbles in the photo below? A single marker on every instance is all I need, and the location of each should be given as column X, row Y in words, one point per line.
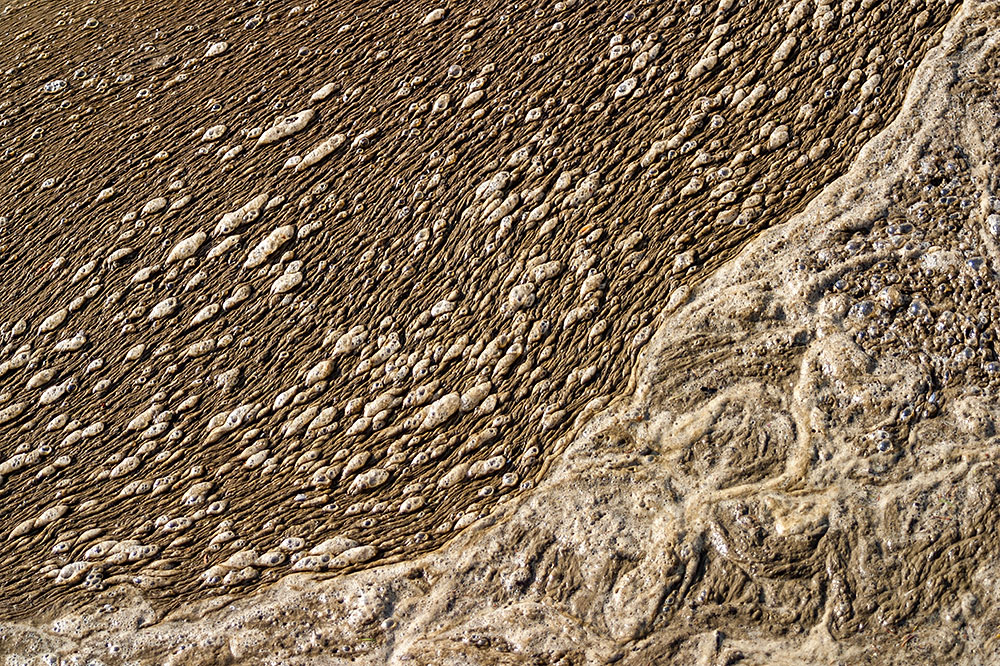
column 330, row 320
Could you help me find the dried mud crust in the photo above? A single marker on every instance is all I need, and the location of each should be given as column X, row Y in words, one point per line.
column 313, row 288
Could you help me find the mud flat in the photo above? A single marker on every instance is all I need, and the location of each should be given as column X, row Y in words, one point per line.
column 669, row 330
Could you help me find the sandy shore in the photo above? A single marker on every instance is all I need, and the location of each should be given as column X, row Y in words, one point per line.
column 450, row 334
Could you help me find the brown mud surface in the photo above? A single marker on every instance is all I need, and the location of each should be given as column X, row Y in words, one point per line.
column 669, row 328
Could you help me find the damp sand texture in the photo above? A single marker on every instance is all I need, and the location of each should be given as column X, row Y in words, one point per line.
column 313, row 289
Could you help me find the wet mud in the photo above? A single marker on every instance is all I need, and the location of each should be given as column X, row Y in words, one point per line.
column 575, row 296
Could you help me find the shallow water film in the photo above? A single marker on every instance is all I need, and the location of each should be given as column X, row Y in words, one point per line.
column 464, row 333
